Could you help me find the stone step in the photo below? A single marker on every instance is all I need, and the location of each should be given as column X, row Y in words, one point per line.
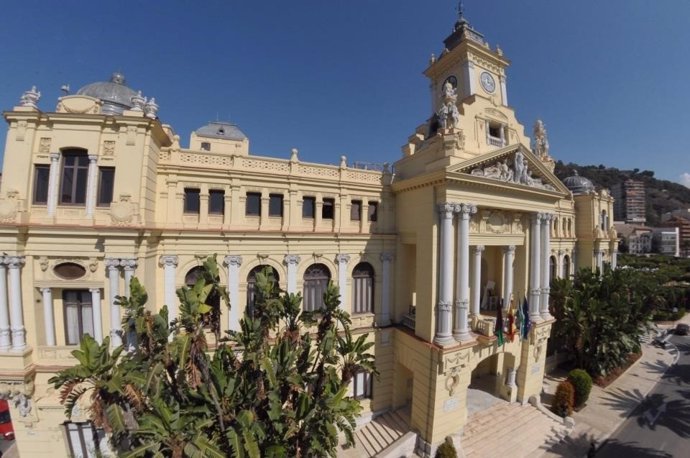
column 495, row 426
column 377, row 435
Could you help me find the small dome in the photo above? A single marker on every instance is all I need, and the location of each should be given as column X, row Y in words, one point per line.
column 114, row 94
column 578, row 184
column 220, row 129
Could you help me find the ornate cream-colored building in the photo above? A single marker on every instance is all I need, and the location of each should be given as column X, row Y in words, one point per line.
column 99, row 190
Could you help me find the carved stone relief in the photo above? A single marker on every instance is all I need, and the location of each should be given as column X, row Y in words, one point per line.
column 515, row 170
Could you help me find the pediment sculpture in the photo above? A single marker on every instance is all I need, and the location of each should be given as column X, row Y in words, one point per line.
column 516, row 171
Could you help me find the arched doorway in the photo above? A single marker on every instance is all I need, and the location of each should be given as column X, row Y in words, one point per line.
column 490, row 382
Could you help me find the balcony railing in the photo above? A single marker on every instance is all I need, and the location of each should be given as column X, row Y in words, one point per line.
column 495, row 141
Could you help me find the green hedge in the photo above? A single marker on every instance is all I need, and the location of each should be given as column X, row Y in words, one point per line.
column 582, row 384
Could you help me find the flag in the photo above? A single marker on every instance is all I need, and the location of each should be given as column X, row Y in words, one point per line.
column 511, row 324
column 498, row 332
column 520, row 320
column 526, row 324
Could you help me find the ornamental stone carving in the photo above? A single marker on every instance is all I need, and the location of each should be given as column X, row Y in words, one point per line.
column 44, row 145
column 387, row 257
column 448, row 114
column 151, row 108
column 122, row 212
column 517, row 172
column 291, row 259
column 168, row 260
column 342, row 258
column 9, row 207
column 232, row 260
column 30, row 98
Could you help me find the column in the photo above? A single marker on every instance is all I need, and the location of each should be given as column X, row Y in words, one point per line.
column 461, row 329
column 128, row 266
column 53, row 183
column 599, row 258
column 504, row 91
column 48, row 316
column 16, row 313
column 508, row 257
column 511, row 378
column 535, row 263
column 477, row 286
column 169, row 264
column 96, row 309
column 614, row 257
column 291, row 261
column 233, row 262
column 91, row 185
column 385, row 318
column 445, row 284
column 559, row 264
column 5, row 341
column 545, row 266
column 342, row 260
column 112, row 266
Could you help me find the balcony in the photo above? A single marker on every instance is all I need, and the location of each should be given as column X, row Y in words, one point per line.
column 496, row 141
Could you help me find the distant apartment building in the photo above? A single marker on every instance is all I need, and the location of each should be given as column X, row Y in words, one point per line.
column 681, row 220
column 637, row 239
column 629, row 203
column 666, row 241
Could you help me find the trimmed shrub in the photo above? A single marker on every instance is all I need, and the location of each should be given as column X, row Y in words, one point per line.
column 582, row 383
column 564, row 399
column 446, row 450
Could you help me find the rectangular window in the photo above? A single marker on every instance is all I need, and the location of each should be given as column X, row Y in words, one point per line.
column 78, row 315
column 75, row 171
column 216, row 202
column 106, row 183
column 308, row 207
column 362, row 385
column 41, row 174
column 82, row 438
column 328, row 209
column 253, row 204
column 191, row 200
column 373, row 211
column 275, row 205
column 356, row 210
column 205, row 146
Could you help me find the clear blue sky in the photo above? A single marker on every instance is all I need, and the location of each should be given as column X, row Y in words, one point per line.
column 609, row 78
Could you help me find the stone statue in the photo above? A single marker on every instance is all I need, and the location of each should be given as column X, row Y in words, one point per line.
column 448, row 114
column 521, row 172
column 541, row 142
column 30, row 98
column 138, row 102
column 151, row 109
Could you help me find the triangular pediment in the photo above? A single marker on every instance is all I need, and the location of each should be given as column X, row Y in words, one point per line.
column 514, row 165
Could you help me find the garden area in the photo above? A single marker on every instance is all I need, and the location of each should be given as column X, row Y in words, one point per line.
column 602, row 318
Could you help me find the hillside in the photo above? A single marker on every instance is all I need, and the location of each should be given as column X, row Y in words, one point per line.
column 662, row 195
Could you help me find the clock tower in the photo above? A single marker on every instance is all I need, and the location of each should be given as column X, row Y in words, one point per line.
column 469, row 64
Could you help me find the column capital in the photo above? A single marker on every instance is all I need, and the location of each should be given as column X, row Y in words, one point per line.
column 465, row 210
column 509, row 249
column 537, row 217
column 478, row 249
column 93, row 290
column 444, row 306
column 291, row 259
column 342, row 258
column 54, row 157
column 168, row 260
column 15, row 262
column 46, row 290
column 446, row 209
column 112, row 263
column 546, row 217
column 387, row 257
column 93, row 157
column 232, row 260
column 128, row 263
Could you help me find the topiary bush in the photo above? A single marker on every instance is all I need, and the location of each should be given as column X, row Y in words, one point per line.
column 582, row 384
column 446, row 450
column 564, row 399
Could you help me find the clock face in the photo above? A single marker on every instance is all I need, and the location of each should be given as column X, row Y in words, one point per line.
column 488, row 82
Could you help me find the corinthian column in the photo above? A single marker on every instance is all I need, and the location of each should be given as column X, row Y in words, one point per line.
column 48, row 316
column 386, row 259
column 461, row 330
column 96, row 309
column 342, row 260
column 477, row 285
column 53, row 183
column 445, row 293
column 233, row 262
column 91, row 185
column 291, row 261
column 545, row 266
column 5, row 341
column 535, row 263
column 508, row 256
column 16, row 310
column 169, row 264
column 128, row 266
column 112, row 266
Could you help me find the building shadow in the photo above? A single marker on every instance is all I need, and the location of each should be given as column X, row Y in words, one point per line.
column 616, row 449
column 571, row 446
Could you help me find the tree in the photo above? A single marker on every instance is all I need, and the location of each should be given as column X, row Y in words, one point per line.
column 276, row 387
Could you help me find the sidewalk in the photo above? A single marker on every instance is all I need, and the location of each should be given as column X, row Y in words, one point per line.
column 607, row 408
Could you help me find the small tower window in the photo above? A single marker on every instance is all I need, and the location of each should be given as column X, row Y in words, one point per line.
column 205, row 146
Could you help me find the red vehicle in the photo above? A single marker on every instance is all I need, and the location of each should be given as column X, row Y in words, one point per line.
column 6, row 429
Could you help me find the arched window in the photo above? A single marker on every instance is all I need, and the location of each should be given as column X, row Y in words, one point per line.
column 316, row 280
column 251, row 284
column 565, row 231
column 553, row 271
column 363, row 297
column 211, row 318
column 566, row 266
column 74, row 176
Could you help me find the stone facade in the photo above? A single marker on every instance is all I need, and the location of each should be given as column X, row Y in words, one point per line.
column 470, row 219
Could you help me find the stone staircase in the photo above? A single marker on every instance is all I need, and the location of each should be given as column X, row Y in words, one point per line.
column 377, row 435
column 510, row 430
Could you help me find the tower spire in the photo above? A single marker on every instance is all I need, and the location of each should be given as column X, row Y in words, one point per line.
column 461, row 10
